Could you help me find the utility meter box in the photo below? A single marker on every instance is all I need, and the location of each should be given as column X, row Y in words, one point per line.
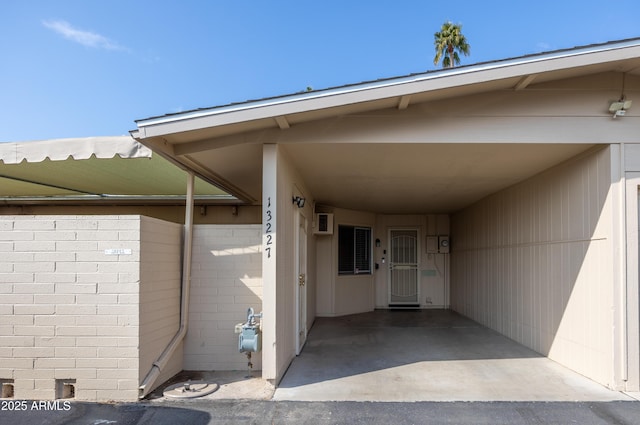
column 444, row 244
column 250, row 339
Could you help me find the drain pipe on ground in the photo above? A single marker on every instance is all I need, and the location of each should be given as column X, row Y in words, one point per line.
column 147, row 384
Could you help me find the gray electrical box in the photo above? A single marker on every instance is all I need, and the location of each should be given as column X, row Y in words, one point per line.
column 443, row 244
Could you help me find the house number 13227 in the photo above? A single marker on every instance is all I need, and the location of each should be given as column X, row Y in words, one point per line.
column 267, row 229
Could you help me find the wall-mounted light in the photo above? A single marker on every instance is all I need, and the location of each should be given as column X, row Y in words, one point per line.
column 299, row 201
column 620, row 108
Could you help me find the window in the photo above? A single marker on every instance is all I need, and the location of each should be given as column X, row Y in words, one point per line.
column 354, row 250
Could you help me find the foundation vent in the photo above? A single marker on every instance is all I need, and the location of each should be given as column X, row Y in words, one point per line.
column 7, row 388
column 65, row 388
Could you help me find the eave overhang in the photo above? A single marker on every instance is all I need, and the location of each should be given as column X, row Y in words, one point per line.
column 524, row 70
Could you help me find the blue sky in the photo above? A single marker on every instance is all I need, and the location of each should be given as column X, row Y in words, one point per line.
column 90, row 68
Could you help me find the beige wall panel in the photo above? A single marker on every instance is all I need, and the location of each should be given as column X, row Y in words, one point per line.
column 341, row 295
column 160, row 286
column 630, row 323
column 632, row 156
column 534, row 262
column 289, row 184
column 325, row 276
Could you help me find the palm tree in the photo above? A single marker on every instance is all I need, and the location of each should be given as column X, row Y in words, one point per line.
column 449, row 41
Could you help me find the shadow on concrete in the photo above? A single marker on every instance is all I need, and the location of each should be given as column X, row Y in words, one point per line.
column 425, row 355
column 360, row 343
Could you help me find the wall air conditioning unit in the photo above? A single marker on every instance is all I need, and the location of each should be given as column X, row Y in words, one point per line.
column 323, row 224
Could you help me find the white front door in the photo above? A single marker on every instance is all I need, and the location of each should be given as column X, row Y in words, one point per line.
column 403, row 267
column 301, row 282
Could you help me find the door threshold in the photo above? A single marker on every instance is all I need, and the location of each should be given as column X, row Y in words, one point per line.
column 407, row 306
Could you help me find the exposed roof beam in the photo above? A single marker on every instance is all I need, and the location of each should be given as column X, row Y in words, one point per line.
column 282, row 122
column 404, row 102
column 205, row 145
column 524, row 82
column 215, row 179
column 185, row 162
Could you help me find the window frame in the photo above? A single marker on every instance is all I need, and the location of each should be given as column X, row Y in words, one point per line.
column 360, row 252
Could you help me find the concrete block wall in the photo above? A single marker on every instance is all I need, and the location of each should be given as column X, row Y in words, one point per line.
column 226, row 280
column 69, row 306
column 160, row 286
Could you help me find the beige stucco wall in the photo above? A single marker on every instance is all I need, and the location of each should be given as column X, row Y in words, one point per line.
column 534, row 262
column 226, row 280
column 70, row 307
column 341, row 295
column 629, row 328
column 281, row 182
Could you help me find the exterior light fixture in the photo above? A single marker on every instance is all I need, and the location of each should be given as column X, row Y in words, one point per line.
column 619, row 108
column 299, row 201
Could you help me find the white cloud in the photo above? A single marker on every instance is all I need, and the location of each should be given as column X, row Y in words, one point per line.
column 543, row 47
column 86, row 38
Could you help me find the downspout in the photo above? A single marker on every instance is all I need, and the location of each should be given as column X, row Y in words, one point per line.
column 161, row 362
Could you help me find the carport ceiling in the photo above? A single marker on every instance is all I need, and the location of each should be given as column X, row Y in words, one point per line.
column 419, row 178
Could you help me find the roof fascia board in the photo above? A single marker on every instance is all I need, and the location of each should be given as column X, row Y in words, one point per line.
column 402, row 86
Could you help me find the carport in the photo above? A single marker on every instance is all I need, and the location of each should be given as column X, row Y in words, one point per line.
column 518, row 161
column 425, row 355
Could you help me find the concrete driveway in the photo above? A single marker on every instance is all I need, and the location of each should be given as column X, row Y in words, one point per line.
column 425, row 355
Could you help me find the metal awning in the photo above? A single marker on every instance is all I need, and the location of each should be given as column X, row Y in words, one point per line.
column 110, row 170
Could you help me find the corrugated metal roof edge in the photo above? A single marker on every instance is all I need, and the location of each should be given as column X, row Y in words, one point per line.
column 534, row 57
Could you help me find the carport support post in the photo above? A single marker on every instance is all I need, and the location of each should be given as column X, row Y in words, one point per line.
column 269, row 255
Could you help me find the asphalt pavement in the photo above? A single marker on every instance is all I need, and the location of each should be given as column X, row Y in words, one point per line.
column 202, row 412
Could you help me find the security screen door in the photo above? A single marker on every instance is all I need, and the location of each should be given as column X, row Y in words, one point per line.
column 403, row 267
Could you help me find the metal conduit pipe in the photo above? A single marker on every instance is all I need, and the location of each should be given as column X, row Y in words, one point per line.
column 161, row 362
